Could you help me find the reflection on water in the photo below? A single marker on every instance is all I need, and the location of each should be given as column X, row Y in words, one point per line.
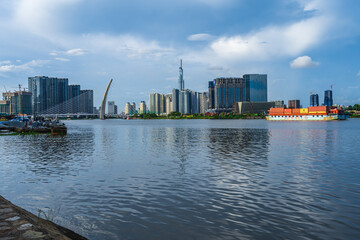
column 191, row 179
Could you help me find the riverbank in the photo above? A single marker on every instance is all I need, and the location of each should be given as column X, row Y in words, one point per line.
column 17, row 223
column 198, row 116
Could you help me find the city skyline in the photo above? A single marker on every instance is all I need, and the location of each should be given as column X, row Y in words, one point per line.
column 303, row 46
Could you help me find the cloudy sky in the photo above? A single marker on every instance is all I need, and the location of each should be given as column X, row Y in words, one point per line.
column 303, row 45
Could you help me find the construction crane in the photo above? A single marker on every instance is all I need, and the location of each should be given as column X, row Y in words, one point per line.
column 311, row 93
column 331, row 86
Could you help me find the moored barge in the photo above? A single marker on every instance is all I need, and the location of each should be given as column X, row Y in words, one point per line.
column 318, row 113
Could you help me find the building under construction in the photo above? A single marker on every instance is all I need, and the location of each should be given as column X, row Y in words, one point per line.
column 18, row 102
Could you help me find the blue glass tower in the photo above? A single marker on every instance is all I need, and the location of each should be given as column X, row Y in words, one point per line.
column 314, row 100
column 256, row 87
column 328, row 98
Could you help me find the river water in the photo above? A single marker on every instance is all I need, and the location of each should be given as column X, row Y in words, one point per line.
column 190, row 179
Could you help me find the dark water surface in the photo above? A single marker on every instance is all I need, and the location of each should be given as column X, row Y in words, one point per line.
column 191, row 179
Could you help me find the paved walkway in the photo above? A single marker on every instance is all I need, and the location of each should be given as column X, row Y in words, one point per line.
column 16, row 223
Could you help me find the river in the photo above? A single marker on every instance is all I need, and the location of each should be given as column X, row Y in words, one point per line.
column 190, row 179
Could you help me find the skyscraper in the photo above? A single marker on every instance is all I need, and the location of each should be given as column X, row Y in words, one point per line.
column 226, row 92
column 256, row 87
column 168, row 99
column 181, row 77
column 73, row 99
column 86, row 101
column 175, row 100
column 157, row 103
column 142, row 107
column 211, row 95
column 314, row 100
column 328, row 98
column 204, row 102
column 49, row 95
column 127, row 108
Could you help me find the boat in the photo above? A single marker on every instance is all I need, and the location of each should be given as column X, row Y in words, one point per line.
column 316, row 113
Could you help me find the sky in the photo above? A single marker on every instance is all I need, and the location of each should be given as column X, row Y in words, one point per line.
column 302, row 45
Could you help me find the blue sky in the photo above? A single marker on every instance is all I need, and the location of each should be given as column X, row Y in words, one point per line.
column 303, row 45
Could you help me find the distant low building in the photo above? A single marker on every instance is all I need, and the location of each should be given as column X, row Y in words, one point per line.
column 252, row 107
column 111, row 107
column 294, row 104
column 279, row 104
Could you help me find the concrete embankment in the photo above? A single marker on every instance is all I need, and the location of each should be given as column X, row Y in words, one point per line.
column 17, row 223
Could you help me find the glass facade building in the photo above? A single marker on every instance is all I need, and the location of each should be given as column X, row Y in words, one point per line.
column 328, row 98
column 256, row 87
column 225, row 91
column 73, row 105
column 314, row 100
column 86, row 101
column 49, row 95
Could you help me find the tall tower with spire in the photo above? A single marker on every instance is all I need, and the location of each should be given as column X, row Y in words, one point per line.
column 181, row 77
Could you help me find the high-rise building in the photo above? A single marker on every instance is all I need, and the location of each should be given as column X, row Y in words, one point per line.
column 73, row 105
column 49, row 95
column 133, row 108
column 175, row 100
column 256, row 87
column 127, row 108
column 194, row 102
column 226, row 92
column 142, row 107
column 314, row 100
column 204, row 102
column 185, row 102
column 181, row 77
column 61, row 96
column 223, row 92
column 157, row 103
column 111, row 107
column 294, row 104
column 86, row 101
column 211, row 95
column 115, row 109
column 328, row 98
column 18, row 104
column 168, row 100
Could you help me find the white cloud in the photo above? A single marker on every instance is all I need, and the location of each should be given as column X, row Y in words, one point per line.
column 62, row 59
column 125, row 45
column 200, row 37
column 23, row 67
column 75, row 52
column 303, row 62
column 5, row 62
column 41, row 17
column 71, row 52
column 273, row 41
